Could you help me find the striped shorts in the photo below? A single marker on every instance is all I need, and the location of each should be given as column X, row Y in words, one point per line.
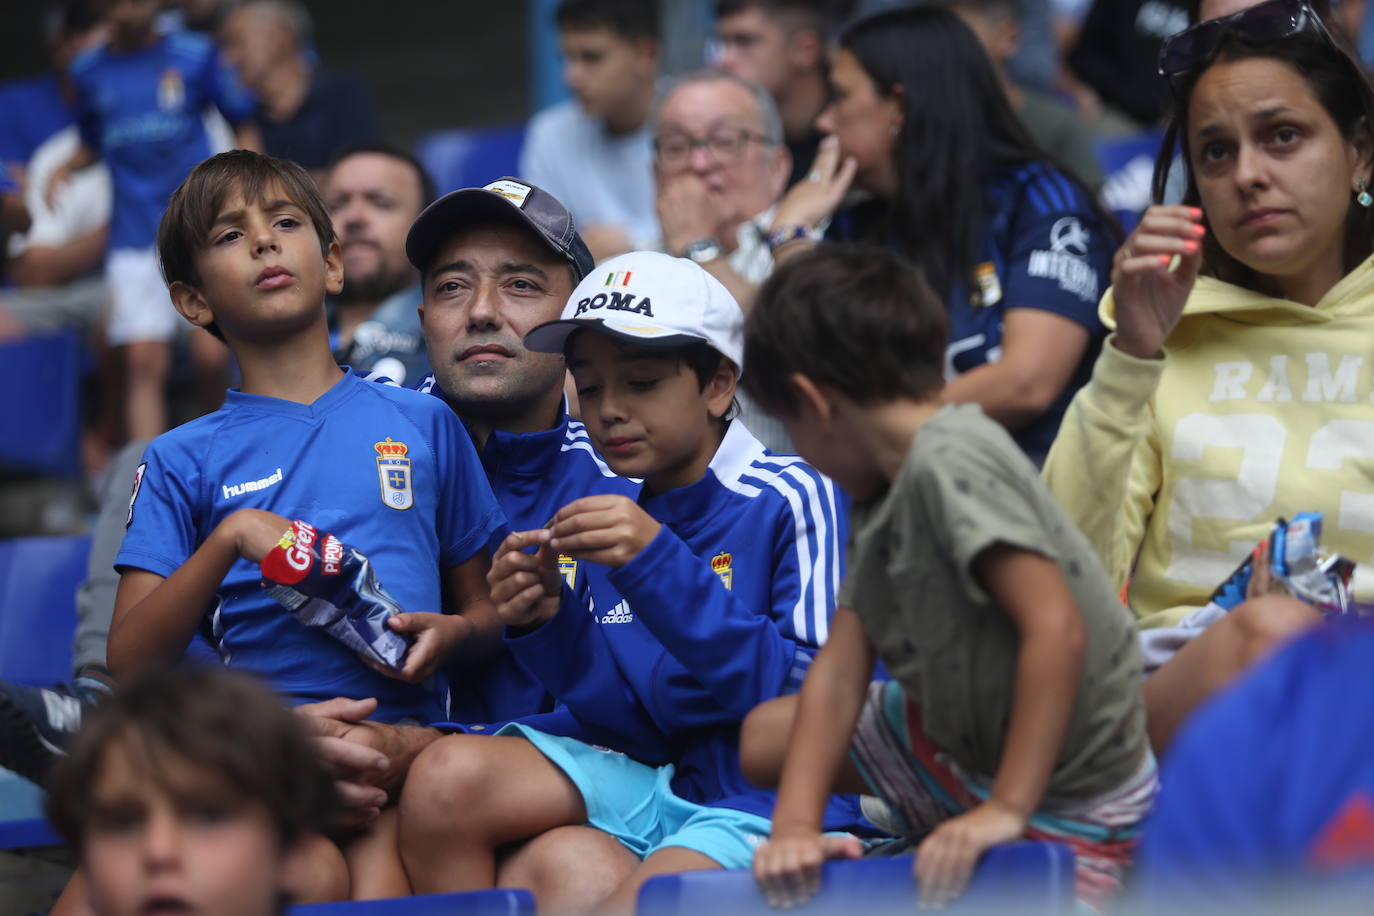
column 922, row 787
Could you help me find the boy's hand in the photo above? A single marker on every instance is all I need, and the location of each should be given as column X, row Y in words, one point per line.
column 525, row 587
column 610, row 530
column 945, row 860
column 437, row 637
column 254, row 533
column 788, row 868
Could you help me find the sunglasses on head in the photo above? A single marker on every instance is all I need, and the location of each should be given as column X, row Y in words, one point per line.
column 1196, row 46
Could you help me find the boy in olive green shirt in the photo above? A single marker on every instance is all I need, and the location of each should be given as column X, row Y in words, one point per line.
column 1015, row 709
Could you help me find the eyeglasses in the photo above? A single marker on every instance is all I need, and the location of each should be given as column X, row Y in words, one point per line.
column 1197, row 45
column 725, row 146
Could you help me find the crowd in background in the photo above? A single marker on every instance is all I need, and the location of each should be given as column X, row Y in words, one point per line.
column 1164, row 381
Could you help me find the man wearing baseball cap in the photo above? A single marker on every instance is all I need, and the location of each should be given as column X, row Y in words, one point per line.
column 495, row 262
column 703, row 598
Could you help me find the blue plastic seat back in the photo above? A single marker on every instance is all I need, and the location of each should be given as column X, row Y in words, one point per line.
column 1029, row 879
column 471, row 158
column 1128, row 165
column 40, row 404
column 499, row 902
column 38, row 581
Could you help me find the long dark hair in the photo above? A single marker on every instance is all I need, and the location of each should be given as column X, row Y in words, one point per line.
column 958, row 130
column 1343, row 89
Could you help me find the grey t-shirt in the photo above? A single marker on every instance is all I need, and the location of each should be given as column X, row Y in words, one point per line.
column 965, row 486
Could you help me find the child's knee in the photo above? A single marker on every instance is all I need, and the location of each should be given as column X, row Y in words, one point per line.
column 763, row 740
column 452, row 774
column 1267, row 622
column 316, row 871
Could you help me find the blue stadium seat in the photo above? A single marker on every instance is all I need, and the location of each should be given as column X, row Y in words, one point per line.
column 40, row 404
column 38, row 581
column 499, row 902
column 1029, row 879
column 1128, row 166
column 470, row 158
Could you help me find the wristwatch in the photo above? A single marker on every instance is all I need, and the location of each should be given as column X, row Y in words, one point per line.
column 703, row 250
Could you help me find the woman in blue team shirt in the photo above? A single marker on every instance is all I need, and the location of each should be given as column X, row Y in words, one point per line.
column 950, row 177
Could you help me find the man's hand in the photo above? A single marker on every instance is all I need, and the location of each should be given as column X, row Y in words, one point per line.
column 526, row 587
column 687, row 210
column 788, row 868
column 610, row 530
column 946, row 858
column 348, row 750
column 437, row 638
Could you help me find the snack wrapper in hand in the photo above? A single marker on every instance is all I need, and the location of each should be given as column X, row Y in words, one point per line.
column 329, row 585
column 1297, row 563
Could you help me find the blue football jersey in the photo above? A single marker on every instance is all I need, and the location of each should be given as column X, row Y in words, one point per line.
column 1040, row 245
column 664, row 657
column 142, row 112
column 533, row 475
column 387, row 470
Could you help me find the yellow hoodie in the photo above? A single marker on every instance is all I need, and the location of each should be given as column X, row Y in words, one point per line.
column 1259, row 408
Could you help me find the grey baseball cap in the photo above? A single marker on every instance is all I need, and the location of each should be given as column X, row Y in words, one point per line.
column 507, row 200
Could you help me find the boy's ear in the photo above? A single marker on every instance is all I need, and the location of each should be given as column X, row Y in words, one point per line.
column 191, row 303
column 333, row 268
column 720, row 391
column 816, row 402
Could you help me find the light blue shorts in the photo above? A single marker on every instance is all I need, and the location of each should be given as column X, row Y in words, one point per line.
column 635, row 804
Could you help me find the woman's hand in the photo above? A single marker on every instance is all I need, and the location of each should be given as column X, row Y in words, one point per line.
column 812, row 200
column 1148, row 287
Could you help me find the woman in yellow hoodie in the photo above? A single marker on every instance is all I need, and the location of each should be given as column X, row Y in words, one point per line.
column 1237, row 386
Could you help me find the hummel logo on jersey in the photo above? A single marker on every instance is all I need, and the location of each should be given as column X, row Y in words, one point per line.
column 251, row 486
column 621, row 613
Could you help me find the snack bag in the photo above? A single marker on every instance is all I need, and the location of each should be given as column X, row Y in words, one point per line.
column 327, row 584
column 1297, row 563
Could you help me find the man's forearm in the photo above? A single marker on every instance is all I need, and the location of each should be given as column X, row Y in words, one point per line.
column 401, row 744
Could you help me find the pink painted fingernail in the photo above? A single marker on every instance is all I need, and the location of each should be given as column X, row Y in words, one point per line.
column 1191, row 246
column 1165, row 259
column 1199, row 229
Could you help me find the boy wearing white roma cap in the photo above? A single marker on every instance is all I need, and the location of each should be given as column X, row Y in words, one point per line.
column 708, row 595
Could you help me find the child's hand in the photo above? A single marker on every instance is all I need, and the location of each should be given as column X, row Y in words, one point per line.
column 437, row 637
column 525, row 587
column 254, row 532
column 788, row 868
column 945, row 859
column 610, row 530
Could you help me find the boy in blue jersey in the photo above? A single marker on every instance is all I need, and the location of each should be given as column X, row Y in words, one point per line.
column 1015, row 708
column 140, row 102
column 708, row 594
column 248, row 248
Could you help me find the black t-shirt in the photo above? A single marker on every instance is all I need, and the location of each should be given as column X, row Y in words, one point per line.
column 337, row 112
column 1118, row 52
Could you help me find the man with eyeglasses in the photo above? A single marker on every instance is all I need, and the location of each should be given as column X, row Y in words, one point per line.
column 720, row 167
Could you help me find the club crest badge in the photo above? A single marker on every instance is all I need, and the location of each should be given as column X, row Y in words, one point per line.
column 567, row 568
column 171, row 91
column 393, row 470
column 720, row 565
